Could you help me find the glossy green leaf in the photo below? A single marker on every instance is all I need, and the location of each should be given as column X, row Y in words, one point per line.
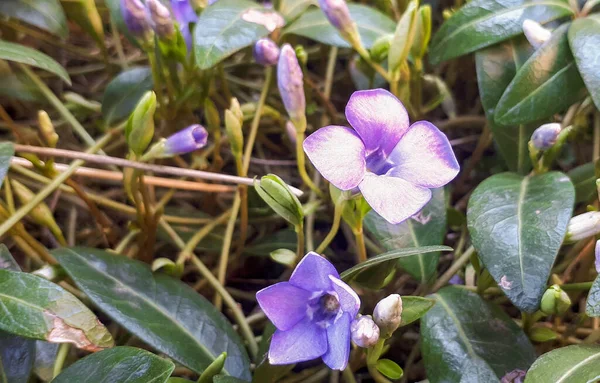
column 291, row 9
column 221, row 31
column 124, row 92
column 7, row 150
column 592, row 307
column 547, row 83
column 482, row 23
column 517, row 225
column 162, row 311
column 584, row 180
column 46, row 311
column 118, row 365
column 44, row 14
column 413, row 308
column 496, row 67
column 371, row 24
column 25, row 55
column 571, row 364
column 583, row 34
column 465, row 339
column 427, row 228
column 390, row 256
column 389, row 368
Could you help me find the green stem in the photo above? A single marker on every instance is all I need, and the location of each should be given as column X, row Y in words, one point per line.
column 198, row 237
column 300, row 246
column 337, row 218
column 348, row 375
column 227, row 239
column 373, row 355
column 256, row 120
column 61, row 356
column 301, row 161
column 457, row 265
column 577, row 286
column 378, row 68
column 361, row 248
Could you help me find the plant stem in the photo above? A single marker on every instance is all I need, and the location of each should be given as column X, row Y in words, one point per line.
column 199, row 236
column 61, row 356
column 300, row 238
column 256, row 120
column 457, row 265
column 224, row 258
column 335, row 226
column 301, row 160
column 361, row 249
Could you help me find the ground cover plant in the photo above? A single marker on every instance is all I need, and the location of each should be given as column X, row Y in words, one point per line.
column 299, row 191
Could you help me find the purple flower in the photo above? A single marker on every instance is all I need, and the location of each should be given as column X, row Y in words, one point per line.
column 187, row 140
column 161, row 19
column 337, row 13
column 394, row 165
column 515, row 376
column 456, row 280
column 545, row 136
column 136, row 17
column 597, row 254
column 266, row 52
column 184, row 14
column 290, row 81
column 312, row 313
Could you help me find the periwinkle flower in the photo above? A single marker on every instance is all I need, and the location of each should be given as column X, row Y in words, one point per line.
column 544, row 137
column 266, row 52
column 290, row 81
column 162, row 22
column 312, row 313
column 337, row 13
column 535, row 33
column 184, row 14
column 135, row 15
column 192, row 138
column 393, row 164
column 364, row 331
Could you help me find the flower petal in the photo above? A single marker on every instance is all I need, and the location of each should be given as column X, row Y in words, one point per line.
column 379, row 118
column 303, row 342
column 284, row 304
column 338, row 343
column 349, row 300
column 338, row 153
column 312, row 273
column 424, row 157
column 393, row 198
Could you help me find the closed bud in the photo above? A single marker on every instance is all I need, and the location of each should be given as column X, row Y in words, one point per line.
column 535, row 33
column 555, row 301
column 338, row 14
column 544, row 137
column 140, row 126
column 47, row 129
column 290, row 81
column 192, row 138
column 233, row 126
column 279, row 197
column 388, row 314
column 290, row 130
column 583, row 226
column 364, row 331
column 301, row 54
column 422, row 32
column 135, row 15
column 266, row 52
column 381, row 48
column 50, row 272
column 213, row 120
column 597, row 257
column 236, row 109
column 162, row 22
column 515, row 376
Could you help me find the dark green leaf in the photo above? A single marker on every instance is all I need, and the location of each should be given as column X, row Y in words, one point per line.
column 178, row 380
column 517, row 225
column 482, row 23
column 263, row 247
column 118, row 365
column 584, row 180
column 46, row 311
column 389, row 256
column 414, row 308
column 19, row 87
column 45, row 357
column 227, row 379
column 25, row 55
column 465, row 339
column 222, row 31
column 44, row 14
column 162, row 311
column 378, row 276
column 583, row 34
column 290, row 9
column 571, row 364
column 547, row 83
column 371, row 23
column 426, row 229
column 124, row 92
column 389, row 368
column 592, row 307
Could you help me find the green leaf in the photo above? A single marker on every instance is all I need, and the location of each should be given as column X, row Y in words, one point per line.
column 124, row 92
column 413, row 308
column 7, row 150
column 371, row 24
column 592, row 307
column 44, row 14
column 517, row 225
column 162, row 311
column 282, row 239
column 403, row 36
column 25, row 55
column 178, row 380
column 496, row 67
column 578, row 363
column 428, row 228
column 7, row 262
column 390, row 256
column 542, row 334
column 584, row 180
column 583, row 34
column 291, row 9
column 45, row 311
column 222, row 31
column 45, row 357
column 19, row 87
column 482, row 23
column 547, row 83
column 465, row 339
column 389, row 368
column 119, row 365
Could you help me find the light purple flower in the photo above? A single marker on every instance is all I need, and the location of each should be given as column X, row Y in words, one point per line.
column 597, row 254
column 337, row 13
column 456, row 280
column 544, row 137
column 192, row 138
column 394, row 165
column 162, row 23
column 290, row 81
column 136, row 17
column 312, row 313
column 364, row 331
column 266, row 52
column 184, row 14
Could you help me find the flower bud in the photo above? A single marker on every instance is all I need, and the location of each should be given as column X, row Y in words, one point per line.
column 544, row 137
column 192, row 138
column 381, row 47
column 279, row 197
column 515, row 376
column 290, row 81
column 535, row 33
column 364, row 331
column 422, row 32
column 233, row 126
column 50, row 272
column 47, row 129
column 213, row 120
column 290, row 130
column 135, row 15
column 597, row 256
column 338, row 14
column 140, row 126
column 555, row 301
column 236, row 109
column 161, row 18
column 301, row 54
column 266, row 52
column 388, row 314
column 583, row 226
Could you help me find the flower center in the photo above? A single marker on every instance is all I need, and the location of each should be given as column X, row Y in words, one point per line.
column 324, row 309
column 330, row 304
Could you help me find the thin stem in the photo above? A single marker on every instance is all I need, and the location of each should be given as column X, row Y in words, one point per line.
column 199, row 236
column 335, row 226
column 457, row 265
column 224, row 258
column 301, row 160
column 256, row 120
column 361, row 249
column 61, row 356
column 348, row 375
column 117, row 41
column 300, row 245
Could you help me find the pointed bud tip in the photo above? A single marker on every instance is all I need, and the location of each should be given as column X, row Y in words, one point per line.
column 135, row 15
column 535, row 33
column 388, row 314
column 364, row 331
column 337, row 13
column 266, row 52
column 555, row 301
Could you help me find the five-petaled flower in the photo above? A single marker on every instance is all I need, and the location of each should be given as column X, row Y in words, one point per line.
column 393, row 164
column 312, row 313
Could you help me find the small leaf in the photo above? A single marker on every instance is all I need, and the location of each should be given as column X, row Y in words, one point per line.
column 403, row 36
column 44, row 14
column 583, row 34
column 119, row 364
column 532, row 94
column 592, row 307
column 291, row 9
column 482, row 23
column 414, row 308
column 584, row 180
column 517, row 225
column 371, row 24
column 7, row 150
column 465, row 339
column 285, row 257
column 25, row 55
column 46, row 311
column 389, row 368
column 542, row 334
column 124, row 92
column 578, row 363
